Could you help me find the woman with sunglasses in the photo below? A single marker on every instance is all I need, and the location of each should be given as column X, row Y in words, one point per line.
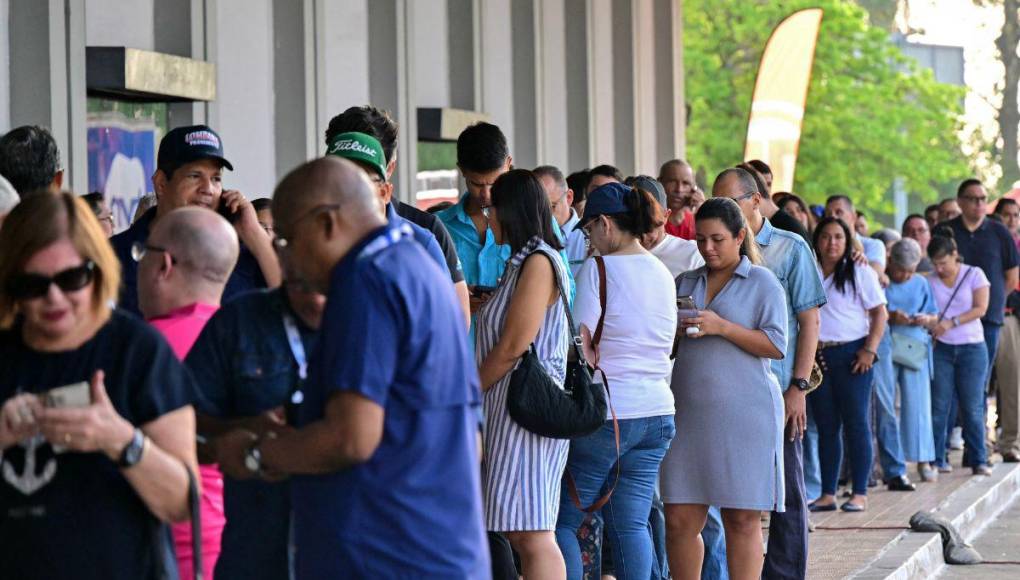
column 96, row 426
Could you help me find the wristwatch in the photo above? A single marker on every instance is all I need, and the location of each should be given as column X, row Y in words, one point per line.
column 253, row 459
column 801, row 384
column 133, row 451
column 956, row 321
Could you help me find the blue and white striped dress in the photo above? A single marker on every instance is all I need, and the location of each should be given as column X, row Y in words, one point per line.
column 521, row 471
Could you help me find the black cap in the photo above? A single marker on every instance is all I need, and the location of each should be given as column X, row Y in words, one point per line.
column 186, row 144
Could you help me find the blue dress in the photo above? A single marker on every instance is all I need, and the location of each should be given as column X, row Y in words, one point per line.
column 728, row 450
column 911, row 298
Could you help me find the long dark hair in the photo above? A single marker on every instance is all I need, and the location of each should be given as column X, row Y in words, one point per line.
column 643, row 213
column 728, row 212
column 523, row 209
column 844, row 271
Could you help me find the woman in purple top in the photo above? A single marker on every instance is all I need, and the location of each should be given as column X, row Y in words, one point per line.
column 961, row 358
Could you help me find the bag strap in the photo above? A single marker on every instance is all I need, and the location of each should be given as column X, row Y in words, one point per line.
column 959, row 285
column 194, row 504
column 596, row 338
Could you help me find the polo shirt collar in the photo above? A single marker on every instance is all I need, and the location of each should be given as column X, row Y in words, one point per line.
column 743, row 268
column 571, row 223
column 460, row 213
column 764, row 236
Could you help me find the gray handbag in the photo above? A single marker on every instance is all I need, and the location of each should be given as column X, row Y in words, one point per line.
column 909, row 351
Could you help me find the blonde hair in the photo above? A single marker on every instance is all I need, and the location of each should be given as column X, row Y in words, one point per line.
column 42, row 219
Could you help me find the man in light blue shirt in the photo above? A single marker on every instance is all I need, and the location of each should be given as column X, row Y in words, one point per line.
column 788, row 256
column 482, row 156
column 561, row 198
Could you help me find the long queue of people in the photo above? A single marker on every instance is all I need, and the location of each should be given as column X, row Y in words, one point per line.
column 323, row 385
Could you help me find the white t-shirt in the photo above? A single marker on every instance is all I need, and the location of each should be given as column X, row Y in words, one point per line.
column 845, row 314
column 679, row 255
column 638, row 332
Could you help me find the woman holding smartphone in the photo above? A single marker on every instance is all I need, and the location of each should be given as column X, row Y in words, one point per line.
column 728, row 451
column 88, row 483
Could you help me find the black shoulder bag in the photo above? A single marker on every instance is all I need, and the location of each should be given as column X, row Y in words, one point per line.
column 537, row 403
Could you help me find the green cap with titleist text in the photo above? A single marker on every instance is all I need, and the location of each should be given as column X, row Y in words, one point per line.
column 360, row 147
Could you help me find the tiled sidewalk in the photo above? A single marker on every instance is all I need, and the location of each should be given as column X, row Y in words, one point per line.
column 845, row 542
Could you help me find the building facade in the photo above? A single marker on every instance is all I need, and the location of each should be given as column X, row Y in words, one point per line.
column 572, row 82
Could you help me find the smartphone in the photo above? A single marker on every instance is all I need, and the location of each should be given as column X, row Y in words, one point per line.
column 686, row 308
column 74, row 395
column 224, row 210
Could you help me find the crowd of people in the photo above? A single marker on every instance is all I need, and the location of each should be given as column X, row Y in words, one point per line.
column 320, row 384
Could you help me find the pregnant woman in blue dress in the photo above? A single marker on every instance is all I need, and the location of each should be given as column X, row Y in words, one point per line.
column 728, row 450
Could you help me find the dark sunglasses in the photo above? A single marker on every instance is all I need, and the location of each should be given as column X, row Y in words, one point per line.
column 29, row 286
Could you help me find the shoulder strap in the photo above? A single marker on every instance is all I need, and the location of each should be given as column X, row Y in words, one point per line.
column 597, row 337
column 959, row 285
column 195, row 506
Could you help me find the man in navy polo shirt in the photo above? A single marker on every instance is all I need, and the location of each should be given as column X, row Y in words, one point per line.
column 384, row 460
column 988, row 245
column 189, row 171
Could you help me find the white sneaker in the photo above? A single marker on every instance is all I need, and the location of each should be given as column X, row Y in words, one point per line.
column 956, row 438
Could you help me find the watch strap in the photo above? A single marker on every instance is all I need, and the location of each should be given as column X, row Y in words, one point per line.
column 132, row 453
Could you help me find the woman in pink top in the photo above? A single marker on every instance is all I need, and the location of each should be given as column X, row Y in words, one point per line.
column 961, row 358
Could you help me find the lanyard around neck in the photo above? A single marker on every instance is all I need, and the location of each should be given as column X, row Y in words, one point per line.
column 297, row 349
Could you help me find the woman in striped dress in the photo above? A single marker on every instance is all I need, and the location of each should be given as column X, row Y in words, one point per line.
column 522, row 470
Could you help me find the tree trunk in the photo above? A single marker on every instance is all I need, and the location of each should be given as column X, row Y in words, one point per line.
column 1009, row 112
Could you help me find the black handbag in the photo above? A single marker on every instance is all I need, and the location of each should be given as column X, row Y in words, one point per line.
column 537, row 403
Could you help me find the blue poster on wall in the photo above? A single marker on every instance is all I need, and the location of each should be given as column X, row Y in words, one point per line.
column 122, row 159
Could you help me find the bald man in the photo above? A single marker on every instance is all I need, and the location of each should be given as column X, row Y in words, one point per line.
column 183, row 268
column 385, row 445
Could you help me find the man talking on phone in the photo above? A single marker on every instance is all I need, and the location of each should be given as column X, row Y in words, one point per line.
column 189, row 172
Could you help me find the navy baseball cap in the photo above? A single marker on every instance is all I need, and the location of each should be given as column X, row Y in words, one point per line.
column 605, row 200
column 186, row 144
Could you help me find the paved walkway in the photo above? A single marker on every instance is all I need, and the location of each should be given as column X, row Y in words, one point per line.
column 845, row 542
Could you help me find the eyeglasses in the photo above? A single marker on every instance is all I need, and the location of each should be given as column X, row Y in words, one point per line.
column 28, row 286
column 974, row 198
column 281, row 242
column 139, row 249
column 747, row 195
column 556, row 204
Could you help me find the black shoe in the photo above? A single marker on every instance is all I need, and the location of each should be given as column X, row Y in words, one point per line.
column 901, row 483
column 1011, row 458
column 814, row 507
column 852, row 507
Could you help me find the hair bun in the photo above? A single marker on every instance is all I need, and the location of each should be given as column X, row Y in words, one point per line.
column 943, row 231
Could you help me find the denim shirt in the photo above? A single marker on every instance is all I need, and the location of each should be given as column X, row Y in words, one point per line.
column 243, row 366
column 484, row 264
column 788, row 256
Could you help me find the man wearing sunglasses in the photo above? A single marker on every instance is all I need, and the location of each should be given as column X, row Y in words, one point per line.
column 189, row 172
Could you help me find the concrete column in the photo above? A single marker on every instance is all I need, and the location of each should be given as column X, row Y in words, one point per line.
column 623, row 46
column 460, row 17
column 341, row 52
column 601, row 81
column 5, row 68
column 47, row 77
column 644, row 87
column 295, row 141
column 105, row 23
column 551, row 83
column 577, row 85
column 494, row 74
column 243, row 112
column 526, row 67
column 670, row 104
column 391, row 61
column 431, row 53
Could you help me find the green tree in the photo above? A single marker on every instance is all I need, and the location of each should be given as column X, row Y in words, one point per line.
column 872, row 114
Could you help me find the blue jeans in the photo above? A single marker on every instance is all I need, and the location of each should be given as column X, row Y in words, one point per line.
column 714, row 565
column 843, row 400
column 592, row 461
column 887, row 422
column 960, row 370
column 812, row 471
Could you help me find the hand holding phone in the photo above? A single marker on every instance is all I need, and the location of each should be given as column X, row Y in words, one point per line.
column 686, row 308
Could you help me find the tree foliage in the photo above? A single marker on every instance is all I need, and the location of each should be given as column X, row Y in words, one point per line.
column 872, row 114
